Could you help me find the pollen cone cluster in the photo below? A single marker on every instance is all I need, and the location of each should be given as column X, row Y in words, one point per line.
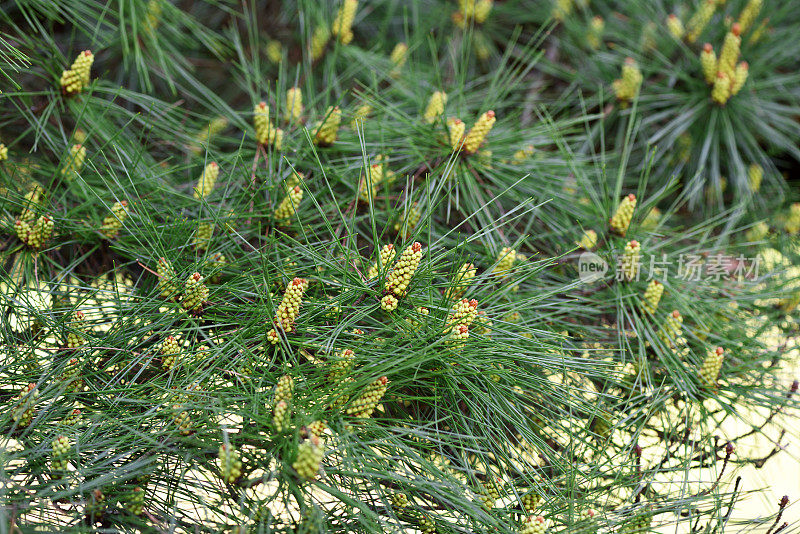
column 280, row 416
column 398, row 58
column 341, row 364
column 74, row 79
column 758, row 232
column 35, row 235
column 792, row 223
column 284, row 389
column 203, row 235
column 134, row 501
column 461, row 317
column 652, row 296
column 294, row 103
column 152, row 17
column 726, row 76
column 289, row 308
column 478, row 132
column 630, row 260
column 621, row 219
column 205, row 185
column 319, row 40
column 463, row 312
column 170, row 351
column 195, row 293
column 399, row 500
column 365, row 404
column 489, row 495
column 317, row 428
column 533, row 525
column 530, row 501
column 505, row 262
column 406, row 224
column 456, row 129
column 206, row 134
column 343, row 23
column 435, row 107
column 386, row 255
column 288, row 206
column 167, row 279
column 96, row 505
column 698, row 22
column 472, row 10
column 708, row 62
column 309, row 457
column 755, row 174
column 749, row 14
column 113, row 223
column 675, row 26
column 262, row 123
column 368, row 187
column 627, row 87
column 182, row 421
column 562, row 9
column 638, row 525
column 671, row 332
column 25, row 406
column 329, row 127
column 360, row 115
column 730, row 50
column 77, row 155
column 709, row 371
column 72, row 377
column 230, row 466
column 595, row 34
column 405, row 267
column 61, row 448
column 266, row 133
column 588, row 240
column 78, row 328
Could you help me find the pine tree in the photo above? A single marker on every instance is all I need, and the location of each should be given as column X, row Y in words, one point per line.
column 322, row 266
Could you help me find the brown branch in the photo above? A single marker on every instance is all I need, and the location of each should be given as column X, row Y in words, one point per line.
column 728, row 452
column 759, row 463
column 781, row 506
column 733, row 497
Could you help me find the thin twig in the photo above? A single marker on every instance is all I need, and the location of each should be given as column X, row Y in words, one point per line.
column 781, row 506
column 759, row 463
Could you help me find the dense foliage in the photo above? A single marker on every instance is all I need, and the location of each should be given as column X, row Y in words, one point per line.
column 375, row 266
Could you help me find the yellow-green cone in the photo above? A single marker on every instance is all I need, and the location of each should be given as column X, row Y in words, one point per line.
column 652, row 296
column 365, row 404
column 195, row 293
column 435, row 107
column 309, row 457
column 709, row 371
column 230, row 466
column 329, row 127
column 533, row 525
column 400, row 278
column 113, row 223
column 167, row 279
column 478, row 132
column 621, row 219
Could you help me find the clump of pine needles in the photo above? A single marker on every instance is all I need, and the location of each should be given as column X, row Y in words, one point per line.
column 375, row 266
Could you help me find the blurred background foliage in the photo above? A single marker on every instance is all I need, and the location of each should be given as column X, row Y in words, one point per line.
column 202, row 329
